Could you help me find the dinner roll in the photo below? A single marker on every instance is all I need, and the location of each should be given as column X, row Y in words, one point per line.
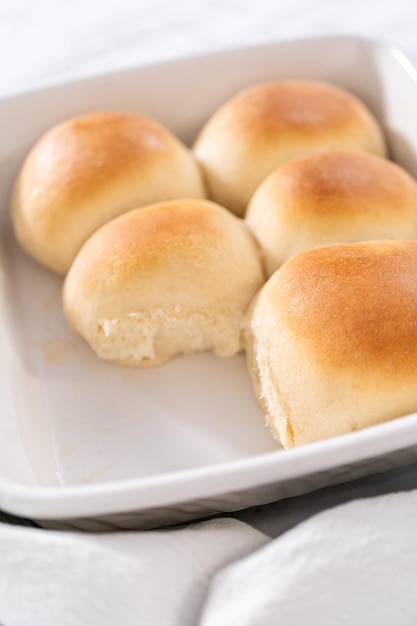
column 335, row 196
column 332, row 340
column 90, row 169
column 173, row 277
column 268, row 124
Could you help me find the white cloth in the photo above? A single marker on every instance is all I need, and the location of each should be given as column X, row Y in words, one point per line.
column 355, row 564
column 129, row 579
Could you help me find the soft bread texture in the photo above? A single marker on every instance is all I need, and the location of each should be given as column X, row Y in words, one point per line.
column 268, row 124
column 332, row 340
column 334, row 196
column 90, row 169
column 173, row 277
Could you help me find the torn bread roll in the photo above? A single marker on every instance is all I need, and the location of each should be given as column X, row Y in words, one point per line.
column 333, row 196
column 170, row 278
column 268, row 124
column 332, row 340
column 86, row 171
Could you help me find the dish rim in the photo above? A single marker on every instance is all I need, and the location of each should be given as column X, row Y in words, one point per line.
column 186, row 485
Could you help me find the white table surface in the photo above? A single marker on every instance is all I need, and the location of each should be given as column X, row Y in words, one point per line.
column 47, row 41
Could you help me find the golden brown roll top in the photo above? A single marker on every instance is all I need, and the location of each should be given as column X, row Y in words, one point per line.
column 332, row 340
column 170, row 278
column 88, row 170
column 334, row 196
column 268, row 124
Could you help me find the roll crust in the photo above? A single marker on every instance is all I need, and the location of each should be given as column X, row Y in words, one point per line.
column 269, row 124
column 170, row 278
column 332, row 196
column 332, row 340
column 87, row 170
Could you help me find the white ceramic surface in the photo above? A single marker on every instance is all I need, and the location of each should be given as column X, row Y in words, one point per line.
column 80, row 438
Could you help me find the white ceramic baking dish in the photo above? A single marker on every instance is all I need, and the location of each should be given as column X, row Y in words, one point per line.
column 92, row 445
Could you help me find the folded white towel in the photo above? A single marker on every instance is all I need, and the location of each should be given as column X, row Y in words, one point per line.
column 133, row 579
column 354, row 565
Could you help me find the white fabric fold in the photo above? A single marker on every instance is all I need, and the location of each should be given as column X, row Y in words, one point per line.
column 355, row 564
column 133, row 578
